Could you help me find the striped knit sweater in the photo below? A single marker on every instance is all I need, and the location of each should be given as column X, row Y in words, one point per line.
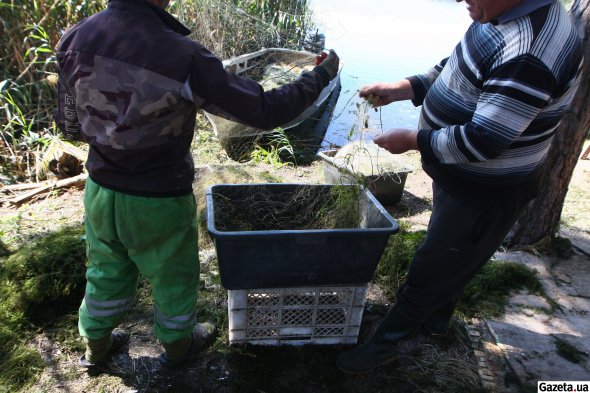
column 490, row 110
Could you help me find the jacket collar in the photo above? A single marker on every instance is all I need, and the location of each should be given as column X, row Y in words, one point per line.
column 148, row 6
column 524, row 8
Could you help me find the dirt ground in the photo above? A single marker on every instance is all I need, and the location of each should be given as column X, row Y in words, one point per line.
column 274, row 369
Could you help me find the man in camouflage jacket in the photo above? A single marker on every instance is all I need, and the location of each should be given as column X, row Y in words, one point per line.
column 130, row 85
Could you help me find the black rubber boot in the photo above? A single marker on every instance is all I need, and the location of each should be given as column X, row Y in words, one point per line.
column 382, row 347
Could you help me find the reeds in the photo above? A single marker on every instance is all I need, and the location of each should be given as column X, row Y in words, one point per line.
column 30, row 31
column 234, row 27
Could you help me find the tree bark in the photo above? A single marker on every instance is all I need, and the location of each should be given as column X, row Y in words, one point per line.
column 541, row 217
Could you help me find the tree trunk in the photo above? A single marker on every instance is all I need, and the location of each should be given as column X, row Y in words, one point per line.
column 541, row 217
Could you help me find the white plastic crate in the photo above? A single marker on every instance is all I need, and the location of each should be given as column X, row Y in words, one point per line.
column 296, row 316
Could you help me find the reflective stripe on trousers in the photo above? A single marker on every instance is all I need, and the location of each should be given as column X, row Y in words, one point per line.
column 108, row 308
column 178, row 322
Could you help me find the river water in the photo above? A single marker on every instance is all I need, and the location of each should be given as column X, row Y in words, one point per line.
column 384, row 41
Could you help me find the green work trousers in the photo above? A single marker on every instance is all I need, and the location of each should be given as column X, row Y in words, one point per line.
column 127, row 235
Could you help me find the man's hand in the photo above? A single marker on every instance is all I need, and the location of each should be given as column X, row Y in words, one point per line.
column 380, row 94
column 398, row 140
column 331, row 64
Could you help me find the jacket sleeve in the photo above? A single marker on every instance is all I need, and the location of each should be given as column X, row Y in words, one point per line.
column 65, row 116
column 421, row 83
column 225, row 94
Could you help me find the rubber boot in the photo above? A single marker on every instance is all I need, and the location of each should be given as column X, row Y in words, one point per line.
column 188, row 348
column 99, row 351
column 382, row 347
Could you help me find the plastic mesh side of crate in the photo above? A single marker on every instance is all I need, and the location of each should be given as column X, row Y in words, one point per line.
column 296, row 316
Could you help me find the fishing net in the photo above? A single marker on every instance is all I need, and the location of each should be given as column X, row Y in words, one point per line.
column 273, row 68
column 362, row 157
column 302, row 208
column 365, row 158
column 364, row 163
column 240, row 39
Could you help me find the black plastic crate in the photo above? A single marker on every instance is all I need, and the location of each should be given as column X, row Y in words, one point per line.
column 251, row 259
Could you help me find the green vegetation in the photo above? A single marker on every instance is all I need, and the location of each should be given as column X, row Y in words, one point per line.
column 4, row 251
column 28, row 74
column 485, row 296
column 278, row 148
column 40, row 284
column 20, row 364
column 395, row 261
column 30, row 30
column 268, row 177
column 278, row 151
column 205, row 148
column 234, row 27
column 262, row 208
column 46, row 277
column 212, row 303
column 343, row 211
column 488, row 293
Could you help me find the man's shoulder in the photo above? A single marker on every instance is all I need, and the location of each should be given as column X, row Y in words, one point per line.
column 72, row 30
column 555, row 41
column 546, row 35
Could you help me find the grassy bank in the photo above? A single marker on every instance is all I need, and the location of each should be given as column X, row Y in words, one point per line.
column 32, row 257
column 41, row 285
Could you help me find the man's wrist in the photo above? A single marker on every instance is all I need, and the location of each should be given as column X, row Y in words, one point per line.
column 426, row 152
column 412, row 139
column 324, row 74
column 404, row 90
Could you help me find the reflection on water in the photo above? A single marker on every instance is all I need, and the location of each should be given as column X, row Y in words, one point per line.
column 383, row 41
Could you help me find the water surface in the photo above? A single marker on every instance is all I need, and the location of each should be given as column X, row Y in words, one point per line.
column 384, row 41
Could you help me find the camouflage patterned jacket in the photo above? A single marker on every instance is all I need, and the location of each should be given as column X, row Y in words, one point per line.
column 130, row 85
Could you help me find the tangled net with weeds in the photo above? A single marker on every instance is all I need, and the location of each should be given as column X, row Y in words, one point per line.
column 280, row 73
column 272, row 68
column 365, row 158
column 303, row 208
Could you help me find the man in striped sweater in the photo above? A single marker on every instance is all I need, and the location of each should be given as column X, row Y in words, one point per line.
column 489, row 113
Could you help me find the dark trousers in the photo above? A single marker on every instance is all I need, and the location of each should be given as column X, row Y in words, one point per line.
column 461, row 238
